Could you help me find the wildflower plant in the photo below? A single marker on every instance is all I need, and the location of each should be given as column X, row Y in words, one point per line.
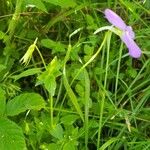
column 125, row 32
column 70, row 90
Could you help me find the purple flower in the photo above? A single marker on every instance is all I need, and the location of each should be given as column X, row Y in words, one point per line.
column 133, row 48
column 127, row 35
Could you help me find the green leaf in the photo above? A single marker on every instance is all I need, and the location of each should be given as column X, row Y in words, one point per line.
column 55, row 46
column 71, row 95
column 2, row 67
column 11, row 136
column 38, row 3
column 50, row 84
column 88, row 50
column 69, row 119
column 132, row 72
column 2, row 101
column 53, row 146
column 57, row 131
column 62, row 3
column 108, row 143
column 24, row 102
column 147, row 4
column 26, row 73
column 80, row 90
column 71, row 145
column 48, row 77
column 2, row 34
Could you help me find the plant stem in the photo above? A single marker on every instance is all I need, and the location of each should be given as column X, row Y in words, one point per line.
column 118, row 68
column 102, row 102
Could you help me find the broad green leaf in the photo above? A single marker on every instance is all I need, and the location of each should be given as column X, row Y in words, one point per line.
column 71, row 145
column 48, row 77
column 50, row 84
column 24, row 102
column 2, row 101
column 62, row 3
column 57, row 131
column 55, row 46
column 26, row 73
column 53, row 146
column 38, row 3
column 69, row 119
column 11, row 136
column 48, row 81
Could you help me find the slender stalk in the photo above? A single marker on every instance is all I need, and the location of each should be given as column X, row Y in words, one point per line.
column 102, row 102
column 87, row 98
column 51, row 111
column 118, row 69
column 41, row 57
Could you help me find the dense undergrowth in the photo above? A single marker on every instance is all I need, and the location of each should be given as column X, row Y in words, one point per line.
column 64, row 88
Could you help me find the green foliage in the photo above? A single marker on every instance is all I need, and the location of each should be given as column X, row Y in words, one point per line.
column 57, row 131
column 23, row 102
column 48, row 77
column 2, row 102
column 26, row 73
column 77, row 89
column 38, row 3
column 54, row 46
column 11, row 135
column 63, row 4
column 2, row 34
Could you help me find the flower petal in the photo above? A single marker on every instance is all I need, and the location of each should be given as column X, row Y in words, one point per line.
column 134, row 50
column 131, row 32
column 114, row 19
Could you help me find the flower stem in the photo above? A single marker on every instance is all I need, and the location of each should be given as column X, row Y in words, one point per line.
column 102, row 102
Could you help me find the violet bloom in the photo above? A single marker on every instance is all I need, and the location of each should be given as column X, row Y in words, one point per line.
column 127, row 35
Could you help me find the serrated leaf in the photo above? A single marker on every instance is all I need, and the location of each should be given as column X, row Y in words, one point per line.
column 11, row 136
column 26, row 73
column 62, row 3
column 24, row 102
